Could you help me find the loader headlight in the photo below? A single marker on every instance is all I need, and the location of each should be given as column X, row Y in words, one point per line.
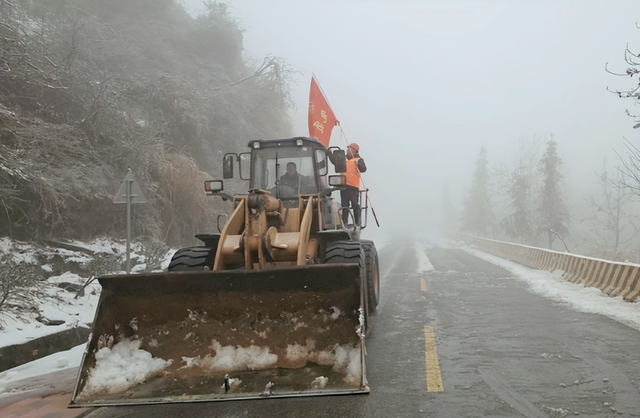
column 213, row 186
column 256, row 145
column 299, row 142
column 337, row 180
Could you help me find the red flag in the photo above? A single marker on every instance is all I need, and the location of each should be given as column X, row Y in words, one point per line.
column 321, row 117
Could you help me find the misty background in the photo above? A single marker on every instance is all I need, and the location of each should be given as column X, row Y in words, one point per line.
column 423, row 85
column 454, row 105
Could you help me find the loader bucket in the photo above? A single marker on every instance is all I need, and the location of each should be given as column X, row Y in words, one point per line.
column 209, row 336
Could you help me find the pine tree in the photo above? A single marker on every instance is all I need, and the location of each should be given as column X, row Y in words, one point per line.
column 552, row 213
column 449, row 217
column 477, row 217
column 519, row 223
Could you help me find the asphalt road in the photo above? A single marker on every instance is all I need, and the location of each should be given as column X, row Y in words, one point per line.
column 464, row 340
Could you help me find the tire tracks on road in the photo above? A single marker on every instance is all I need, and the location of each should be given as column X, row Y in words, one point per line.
column 506, row 392
column 627, row 396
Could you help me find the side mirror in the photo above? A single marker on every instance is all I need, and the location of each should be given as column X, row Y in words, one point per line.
column 227, row 166
column 339, row 161
column 213, row 186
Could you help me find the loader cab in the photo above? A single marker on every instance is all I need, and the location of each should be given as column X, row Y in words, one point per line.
column 288, row 168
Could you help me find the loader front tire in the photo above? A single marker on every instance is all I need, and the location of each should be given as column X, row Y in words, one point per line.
column 350, row 252
column 192, row 259
column 373, row 274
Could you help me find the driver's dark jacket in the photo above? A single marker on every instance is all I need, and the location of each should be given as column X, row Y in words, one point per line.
column 290, row 180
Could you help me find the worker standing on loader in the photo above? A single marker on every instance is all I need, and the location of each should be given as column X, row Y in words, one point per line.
column 350, row 195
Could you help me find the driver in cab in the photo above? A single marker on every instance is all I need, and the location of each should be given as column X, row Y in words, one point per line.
column 291, row 178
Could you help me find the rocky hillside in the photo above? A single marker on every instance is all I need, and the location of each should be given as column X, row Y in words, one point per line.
column 91, row 88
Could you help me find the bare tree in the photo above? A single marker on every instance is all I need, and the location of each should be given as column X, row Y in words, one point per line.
column 630, row 169
column 612, row 220
column 18, row 284
column 630, row 158
column 633, row 71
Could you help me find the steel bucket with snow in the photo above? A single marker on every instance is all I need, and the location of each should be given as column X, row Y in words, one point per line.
column 206, row 336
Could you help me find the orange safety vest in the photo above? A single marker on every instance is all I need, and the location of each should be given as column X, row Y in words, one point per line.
column 353, row 174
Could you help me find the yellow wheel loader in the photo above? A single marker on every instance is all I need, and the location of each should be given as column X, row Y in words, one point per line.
column 275, row 305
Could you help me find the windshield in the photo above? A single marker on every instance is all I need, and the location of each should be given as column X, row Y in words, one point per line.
column 285, row 172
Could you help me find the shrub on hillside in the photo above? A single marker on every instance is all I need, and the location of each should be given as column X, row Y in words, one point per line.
column 18, row 284
column 89, row 91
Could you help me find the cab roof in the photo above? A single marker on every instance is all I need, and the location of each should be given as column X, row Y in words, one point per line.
column 288, row 142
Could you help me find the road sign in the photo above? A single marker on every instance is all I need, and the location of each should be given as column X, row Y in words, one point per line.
column 132, row 191
column 129, row 192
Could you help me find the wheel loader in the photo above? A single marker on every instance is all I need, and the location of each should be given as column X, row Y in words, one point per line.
column 274, row 305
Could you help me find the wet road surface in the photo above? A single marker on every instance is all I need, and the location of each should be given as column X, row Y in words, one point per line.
column 464, row 340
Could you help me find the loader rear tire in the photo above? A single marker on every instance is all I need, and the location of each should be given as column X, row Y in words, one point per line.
column 350, row 252
column 373, row 274
column 192, row 259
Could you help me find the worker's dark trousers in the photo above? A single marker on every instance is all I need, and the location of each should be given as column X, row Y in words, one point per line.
column 350, row 197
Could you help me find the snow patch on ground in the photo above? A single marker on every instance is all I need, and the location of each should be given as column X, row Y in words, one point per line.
column 574, row 295
column 59, row 304
column 424, row 264
column 18, row 251
column 69, row 359
column 20, row 326
column 67, row 277
column 102, row 245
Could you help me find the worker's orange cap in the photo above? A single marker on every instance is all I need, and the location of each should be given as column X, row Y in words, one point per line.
column 355, row 146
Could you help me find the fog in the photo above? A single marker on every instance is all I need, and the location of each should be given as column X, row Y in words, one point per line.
column 422, row 85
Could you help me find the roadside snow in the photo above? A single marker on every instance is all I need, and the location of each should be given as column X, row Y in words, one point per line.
column 20, row 252
column 424, row 264
column 63, row 360
column 19, row 325
column 102, row 245
column 57, row 305
column 574, row 295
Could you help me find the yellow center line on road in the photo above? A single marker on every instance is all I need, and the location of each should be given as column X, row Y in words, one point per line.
column 423, row 285
column 434, row 379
